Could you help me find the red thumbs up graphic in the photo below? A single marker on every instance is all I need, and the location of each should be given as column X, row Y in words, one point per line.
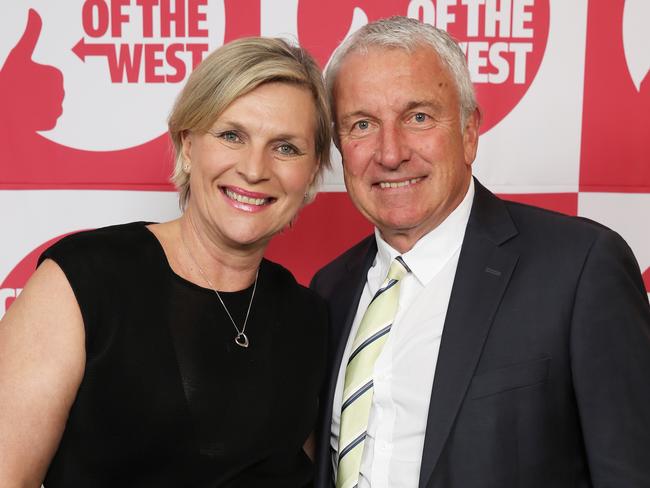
column 31, row 97
column 31, row 94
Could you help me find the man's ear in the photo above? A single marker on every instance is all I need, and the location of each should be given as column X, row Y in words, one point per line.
column 470, row 135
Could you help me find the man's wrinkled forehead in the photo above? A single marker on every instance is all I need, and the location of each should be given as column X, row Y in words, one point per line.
column 367, row 64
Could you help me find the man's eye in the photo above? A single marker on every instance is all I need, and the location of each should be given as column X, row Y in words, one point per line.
column 362, row 125
column 420, row 117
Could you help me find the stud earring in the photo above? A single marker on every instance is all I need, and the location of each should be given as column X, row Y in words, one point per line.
column 186, row 168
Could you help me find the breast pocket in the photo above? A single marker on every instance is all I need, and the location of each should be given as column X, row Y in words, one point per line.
column 510, row 378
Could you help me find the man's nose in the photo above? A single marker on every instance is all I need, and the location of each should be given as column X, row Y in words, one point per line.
column 254, row 165
column 393, row 149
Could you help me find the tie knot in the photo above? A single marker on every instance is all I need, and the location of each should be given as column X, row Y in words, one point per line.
column 398, row 269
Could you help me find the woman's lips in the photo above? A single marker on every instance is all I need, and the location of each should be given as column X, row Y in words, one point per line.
column 246, row 200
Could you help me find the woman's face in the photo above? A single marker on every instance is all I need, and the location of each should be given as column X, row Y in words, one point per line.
column 250, row 171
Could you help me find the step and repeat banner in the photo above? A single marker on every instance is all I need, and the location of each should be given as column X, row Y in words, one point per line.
column 86, row 87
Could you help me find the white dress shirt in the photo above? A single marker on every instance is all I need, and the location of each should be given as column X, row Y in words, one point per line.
column 404, row 371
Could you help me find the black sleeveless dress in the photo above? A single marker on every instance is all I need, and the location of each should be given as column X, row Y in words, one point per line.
column 168, row 399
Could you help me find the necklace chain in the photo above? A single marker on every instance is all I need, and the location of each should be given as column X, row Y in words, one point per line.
column 241, row 339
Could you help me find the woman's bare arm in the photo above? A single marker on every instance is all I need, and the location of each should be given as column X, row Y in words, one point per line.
column 310, row 446
column 42, row 360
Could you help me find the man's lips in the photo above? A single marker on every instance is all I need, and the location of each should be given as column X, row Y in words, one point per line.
column 398, row 184
column 246, row 197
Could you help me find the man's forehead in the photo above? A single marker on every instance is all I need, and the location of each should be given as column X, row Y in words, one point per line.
column 403, row 79
column 390, row 63
column 374, row 54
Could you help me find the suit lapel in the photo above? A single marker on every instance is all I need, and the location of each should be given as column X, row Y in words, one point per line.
column 343, row 307
column 348, row 294
column 483, row 273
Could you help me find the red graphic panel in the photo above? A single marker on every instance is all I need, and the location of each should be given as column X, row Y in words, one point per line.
column 615, row 153
column 31, row 97
column 504, row 41
column 242, row 19
column 331, row 225
column 324, row 229
column 566, row 203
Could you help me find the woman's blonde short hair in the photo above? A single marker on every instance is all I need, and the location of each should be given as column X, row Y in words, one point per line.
column 234, row 70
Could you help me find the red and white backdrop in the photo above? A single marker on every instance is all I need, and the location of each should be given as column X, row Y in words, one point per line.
column 86, row 86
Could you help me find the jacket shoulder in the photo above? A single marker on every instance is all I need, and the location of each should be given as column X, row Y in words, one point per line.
column 544, row 222
column 340, row 266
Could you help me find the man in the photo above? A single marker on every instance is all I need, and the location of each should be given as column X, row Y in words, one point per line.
column 509, row 346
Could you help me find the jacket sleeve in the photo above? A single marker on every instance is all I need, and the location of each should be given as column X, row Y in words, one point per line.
column 610, row 358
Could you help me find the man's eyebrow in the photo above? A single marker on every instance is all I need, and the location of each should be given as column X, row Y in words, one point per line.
column 413, row 104
column 433, row 105
column 353, row 115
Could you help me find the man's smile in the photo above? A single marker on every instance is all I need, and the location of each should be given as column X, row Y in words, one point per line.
column 399, row 184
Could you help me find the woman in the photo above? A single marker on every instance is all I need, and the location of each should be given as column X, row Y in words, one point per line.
column 173, row 354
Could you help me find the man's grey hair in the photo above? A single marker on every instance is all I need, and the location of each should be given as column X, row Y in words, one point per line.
column 408, row 34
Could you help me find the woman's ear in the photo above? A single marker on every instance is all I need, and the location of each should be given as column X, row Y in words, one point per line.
column 186, row 145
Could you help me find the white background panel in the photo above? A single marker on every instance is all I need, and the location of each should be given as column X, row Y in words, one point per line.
column 626, row 213
column 30, row 218
column 536, row 147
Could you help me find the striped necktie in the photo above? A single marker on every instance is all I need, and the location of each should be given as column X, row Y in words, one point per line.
column 358, row 390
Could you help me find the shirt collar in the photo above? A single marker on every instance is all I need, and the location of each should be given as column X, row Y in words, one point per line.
column 427, row 257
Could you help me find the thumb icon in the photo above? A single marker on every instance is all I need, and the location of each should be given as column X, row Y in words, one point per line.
column 27, row 43
column 31, row 94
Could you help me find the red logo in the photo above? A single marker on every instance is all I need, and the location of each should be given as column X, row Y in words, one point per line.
column 121, row 47
column 504, row 41
column 615, row 154
column 147, row 43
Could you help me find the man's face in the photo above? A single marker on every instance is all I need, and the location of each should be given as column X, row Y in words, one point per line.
column 407, row 161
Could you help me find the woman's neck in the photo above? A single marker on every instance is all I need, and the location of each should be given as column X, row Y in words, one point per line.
column 223, row 267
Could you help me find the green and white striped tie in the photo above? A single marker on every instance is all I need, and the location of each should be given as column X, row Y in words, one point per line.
column 358, row 390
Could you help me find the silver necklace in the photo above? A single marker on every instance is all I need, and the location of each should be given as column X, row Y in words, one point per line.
column 241, row 339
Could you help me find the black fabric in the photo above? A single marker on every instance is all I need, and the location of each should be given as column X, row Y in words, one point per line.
column 168, row 399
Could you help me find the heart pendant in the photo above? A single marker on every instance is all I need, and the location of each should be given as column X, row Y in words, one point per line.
column 241, row 340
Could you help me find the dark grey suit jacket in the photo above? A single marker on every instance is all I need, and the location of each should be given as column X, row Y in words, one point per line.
column 543, row 376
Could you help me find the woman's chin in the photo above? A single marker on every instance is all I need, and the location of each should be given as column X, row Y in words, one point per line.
column 250, row 238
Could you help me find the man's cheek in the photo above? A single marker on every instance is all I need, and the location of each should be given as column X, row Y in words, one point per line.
column 356, row 156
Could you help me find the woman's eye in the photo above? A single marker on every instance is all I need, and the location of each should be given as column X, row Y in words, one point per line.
column 287, row 150
column 227, row 136
column 230, row 136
